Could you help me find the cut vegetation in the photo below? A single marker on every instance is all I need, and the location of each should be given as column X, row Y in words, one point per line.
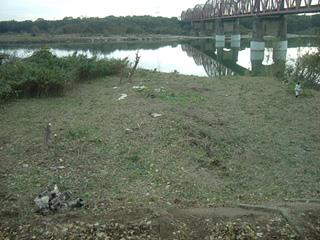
column 216, row 142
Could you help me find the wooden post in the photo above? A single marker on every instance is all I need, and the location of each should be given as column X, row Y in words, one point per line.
column 46, row 136
column 55, row 145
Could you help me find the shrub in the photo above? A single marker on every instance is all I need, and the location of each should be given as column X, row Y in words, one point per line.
column 306, row 70
column 44, row 74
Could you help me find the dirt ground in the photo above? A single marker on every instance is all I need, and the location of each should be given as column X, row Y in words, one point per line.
column 287, row 220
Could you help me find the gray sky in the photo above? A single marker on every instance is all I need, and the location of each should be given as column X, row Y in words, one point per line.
column 21, row 10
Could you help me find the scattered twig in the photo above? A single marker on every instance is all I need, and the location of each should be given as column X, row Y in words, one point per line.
column 139, row 127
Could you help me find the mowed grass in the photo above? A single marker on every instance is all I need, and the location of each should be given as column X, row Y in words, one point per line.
column 218, row 141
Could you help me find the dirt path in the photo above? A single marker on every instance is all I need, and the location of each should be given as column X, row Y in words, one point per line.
column 288, row 220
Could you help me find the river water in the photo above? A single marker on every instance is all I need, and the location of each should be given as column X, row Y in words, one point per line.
column 200, row 57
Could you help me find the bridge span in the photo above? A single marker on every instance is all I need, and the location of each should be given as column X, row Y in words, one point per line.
column 220, row 18
column 224, row 9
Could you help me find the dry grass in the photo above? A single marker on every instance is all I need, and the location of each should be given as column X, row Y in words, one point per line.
column 218, row 141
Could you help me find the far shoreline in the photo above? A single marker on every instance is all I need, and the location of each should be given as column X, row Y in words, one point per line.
column 77, row 38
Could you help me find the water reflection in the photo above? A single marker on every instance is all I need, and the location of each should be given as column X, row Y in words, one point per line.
column 201, row 57
column 220, row 58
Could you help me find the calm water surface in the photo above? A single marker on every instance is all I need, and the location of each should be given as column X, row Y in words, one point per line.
column 198, row 57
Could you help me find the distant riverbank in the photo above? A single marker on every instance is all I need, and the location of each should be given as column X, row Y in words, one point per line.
column 78, row 38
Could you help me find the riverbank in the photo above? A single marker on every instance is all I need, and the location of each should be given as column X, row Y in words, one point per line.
column 77, row 38
column 140, row 153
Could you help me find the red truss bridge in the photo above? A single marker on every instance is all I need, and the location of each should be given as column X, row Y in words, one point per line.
column 217, row 9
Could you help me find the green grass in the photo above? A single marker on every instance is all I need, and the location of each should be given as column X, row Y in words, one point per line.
column 220, row 141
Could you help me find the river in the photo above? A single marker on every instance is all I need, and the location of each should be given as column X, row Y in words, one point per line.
column 200, row 57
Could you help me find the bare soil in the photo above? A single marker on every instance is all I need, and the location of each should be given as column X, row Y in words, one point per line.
column 299, row 221
column 222, row 158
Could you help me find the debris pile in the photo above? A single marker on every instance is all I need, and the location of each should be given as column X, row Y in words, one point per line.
column 52, row 200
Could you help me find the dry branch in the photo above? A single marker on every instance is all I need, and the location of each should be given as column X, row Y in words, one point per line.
column 134, row 66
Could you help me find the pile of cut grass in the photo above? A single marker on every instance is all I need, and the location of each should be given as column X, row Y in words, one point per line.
column 218, row 141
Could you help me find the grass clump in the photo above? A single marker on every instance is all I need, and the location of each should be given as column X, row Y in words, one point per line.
column 44, row 74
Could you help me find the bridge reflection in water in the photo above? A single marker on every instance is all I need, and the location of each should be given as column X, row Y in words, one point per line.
column 220, row 58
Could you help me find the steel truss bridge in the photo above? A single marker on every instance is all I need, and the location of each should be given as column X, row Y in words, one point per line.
column 217, row 9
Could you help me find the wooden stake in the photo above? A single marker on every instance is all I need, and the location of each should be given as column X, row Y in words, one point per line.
column 55, row 145
column 46, row 137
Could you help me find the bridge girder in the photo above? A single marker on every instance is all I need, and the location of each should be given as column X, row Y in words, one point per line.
column 214, row 9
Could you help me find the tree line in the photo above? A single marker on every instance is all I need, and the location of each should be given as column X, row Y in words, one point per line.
column 103, row 26
column 111, row 25
column 296, row 24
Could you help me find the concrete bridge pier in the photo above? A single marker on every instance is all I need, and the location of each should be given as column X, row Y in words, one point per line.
column 275, row 26
column 192, row 29
column 257, row 46
column 235, row 39
column 198, row 28
column 235, row 36
column 220, row 37
column 280, row 47
column 195, row 28
column 202, row 31
column 209, row 28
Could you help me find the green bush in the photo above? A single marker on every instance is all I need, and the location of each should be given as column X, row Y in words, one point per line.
column 44, row 74
column 305, row 70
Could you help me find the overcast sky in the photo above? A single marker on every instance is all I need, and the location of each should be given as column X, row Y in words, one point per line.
column 21, row 10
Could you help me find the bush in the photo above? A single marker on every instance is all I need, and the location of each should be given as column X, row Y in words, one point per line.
column 44, row 74
column 306, row 70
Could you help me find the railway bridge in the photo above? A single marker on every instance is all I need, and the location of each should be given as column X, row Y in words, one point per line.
column 220, row 18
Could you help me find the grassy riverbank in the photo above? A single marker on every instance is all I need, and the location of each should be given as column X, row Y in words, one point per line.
column 218, row 142
column 78, row 38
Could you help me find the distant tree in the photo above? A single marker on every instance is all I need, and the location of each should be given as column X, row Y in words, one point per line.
column 34, row 30
column 112, row 25
column 315, row 20
column 67, row 18
column 298, row 23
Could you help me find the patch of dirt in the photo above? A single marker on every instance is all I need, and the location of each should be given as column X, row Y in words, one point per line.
column 289, row 220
